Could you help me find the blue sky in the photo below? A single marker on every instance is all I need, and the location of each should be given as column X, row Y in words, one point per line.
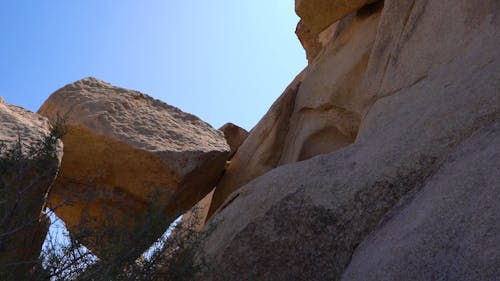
column 222, row 60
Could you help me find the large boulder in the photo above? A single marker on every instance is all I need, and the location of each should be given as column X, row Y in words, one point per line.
column 125, row 153
column 29, row 160
column 425, row 84
column 318, row 113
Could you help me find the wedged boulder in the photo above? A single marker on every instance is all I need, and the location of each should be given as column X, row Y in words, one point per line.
column 29, row 161
column 197, row 216
column 449, row 230
column 319, row 14
column 320, row 112
column 430, row 83
column 124, row 153
column 234, row 136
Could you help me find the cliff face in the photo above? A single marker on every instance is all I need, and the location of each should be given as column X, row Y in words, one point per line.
column 377, row 154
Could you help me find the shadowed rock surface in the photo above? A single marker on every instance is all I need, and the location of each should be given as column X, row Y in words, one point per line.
column 124, row 152
column 447, row 231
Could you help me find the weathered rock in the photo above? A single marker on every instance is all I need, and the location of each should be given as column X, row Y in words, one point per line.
column 320, row 112
column 319, row 14
column 25, row 179
column 449, row 230
column 126, row 152
column 234, row 136
column 426, row 84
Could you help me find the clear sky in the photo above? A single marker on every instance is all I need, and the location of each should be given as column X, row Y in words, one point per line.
column 222, row 60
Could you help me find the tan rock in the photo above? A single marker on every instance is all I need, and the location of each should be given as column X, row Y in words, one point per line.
column 125, row 152
column 234, row 135
column 319, row 113
column 428, row 84
column 24, row 183
column 319, row 14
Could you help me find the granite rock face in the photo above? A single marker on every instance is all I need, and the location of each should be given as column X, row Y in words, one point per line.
column 26, row 177
column 124, row 152
column 410, row 91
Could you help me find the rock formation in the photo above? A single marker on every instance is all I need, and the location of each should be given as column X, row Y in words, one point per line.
column 26, row 176
column 234, row 136
column 390, row 123
column 124, row 153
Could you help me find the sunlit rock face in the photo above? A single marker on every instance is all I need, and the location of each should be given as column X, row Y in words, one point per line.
column 126, row 152
column 393, row 114
column 25, row 180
